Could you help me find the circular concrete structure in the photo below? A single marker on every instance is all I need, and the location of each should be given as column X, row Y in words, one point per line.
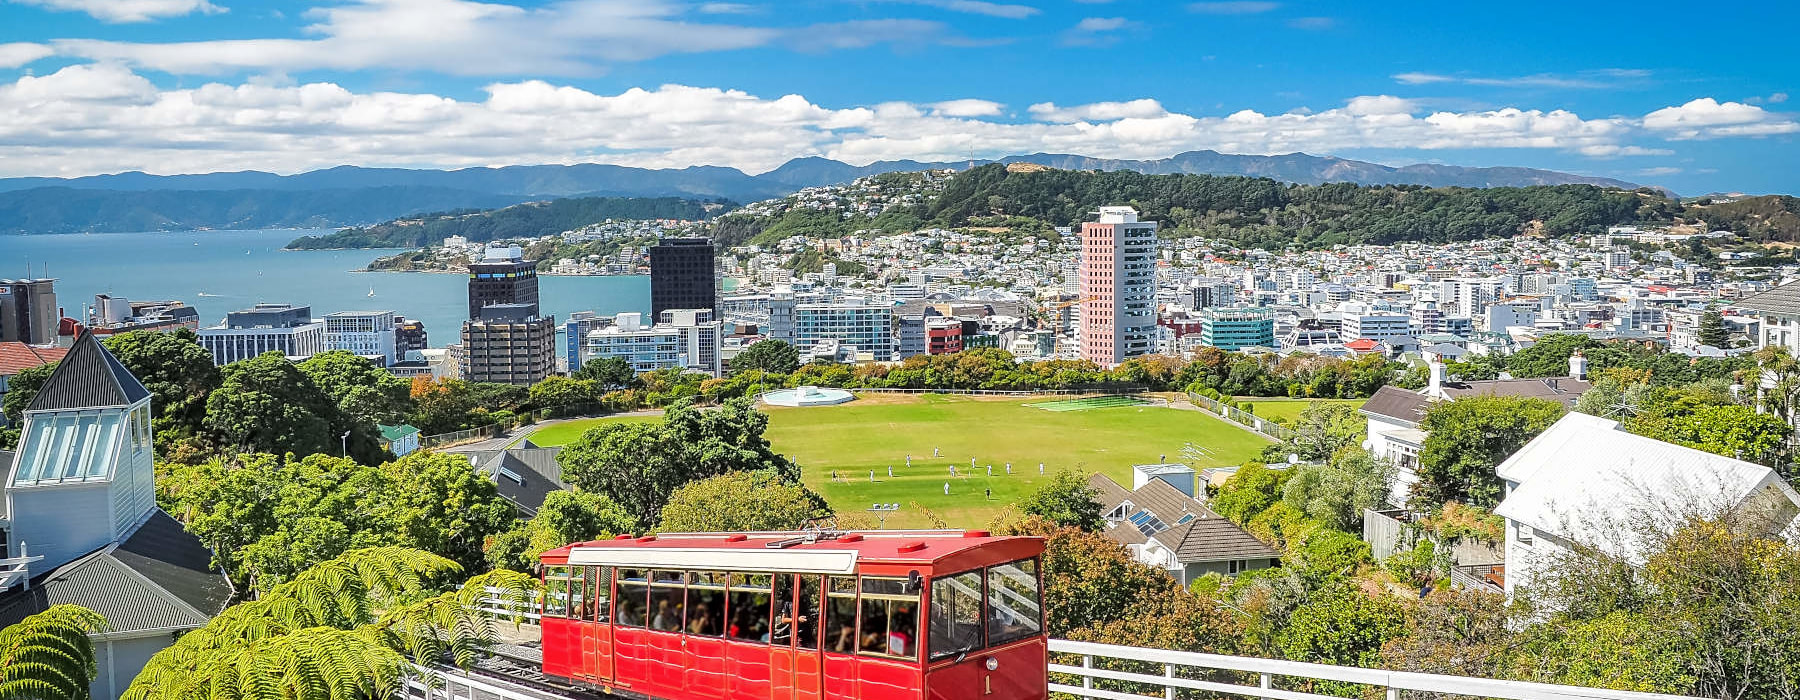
column 807, row 396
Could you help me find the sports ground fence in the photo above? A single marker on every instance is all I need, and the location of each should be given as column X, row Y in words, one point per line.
column 1241, row 417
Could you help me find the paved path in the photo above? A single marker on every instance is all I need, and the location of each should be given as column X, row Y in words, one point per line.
column 504, row 441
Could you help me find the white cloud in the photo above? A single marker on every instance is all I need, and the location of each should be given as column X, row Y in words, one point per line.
column 725, row 8
column 1312, row 23
column 978, row 7
column 19, row 54
column 1098, row 111
column 1097, row 31
column 1587, row 80
column 1709, row 118
column 464, row 37
column 1101, row 24
column 105, row 118
column 967, row 108
column 1237, row 7
column 1659, row 171
column 1778, row 98
column 128, row 10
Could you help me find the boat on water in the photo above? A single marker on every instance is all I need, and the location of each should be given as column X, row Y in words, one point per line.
column 371, row 291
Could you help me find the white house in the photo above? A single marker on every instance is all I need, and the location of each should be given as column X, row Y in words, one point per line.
column 1394, row 414
column 1585, row 480
column 80, row 524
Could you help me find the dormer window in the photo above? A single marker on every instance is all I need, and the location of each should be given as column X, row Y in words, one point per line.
column 68, row 447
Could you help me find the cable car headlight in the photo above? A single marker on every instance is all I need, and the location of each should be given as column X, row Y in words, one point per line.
column 993, row 664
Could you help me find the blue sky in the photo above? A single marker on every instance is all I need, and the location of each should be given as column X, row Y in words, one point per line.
column 1659, row 93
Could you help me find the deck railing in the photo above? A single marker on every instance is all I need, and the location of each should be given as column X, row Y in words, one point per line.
column 1113, row 672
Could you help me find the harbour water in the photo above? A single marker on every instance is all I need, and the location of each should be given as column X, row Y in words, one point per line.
column 221, row 271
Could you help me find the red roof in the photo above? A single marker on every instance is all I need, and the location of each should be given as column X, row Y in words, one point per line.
column 1361, row 344
column 17, row 357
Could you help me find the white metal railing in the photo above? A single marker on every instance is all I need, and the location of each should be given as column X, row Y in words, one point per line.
column 439, row 683
column 498, row 605
column 1100, row 676
column 17, row 570
column 1189, row 671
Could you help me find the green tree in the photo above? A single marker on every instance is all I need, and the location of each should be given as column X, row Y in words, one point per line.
column 362, row 390
column 1342, row 626
column 1712, row 330
column 438, row 503
column 1337, row 493
column 347, row 628
column 1249, row 492
column 1468, row 438
column 757, row 501
column 608, row 372
column 1067, row 501
column 770, row 355
column 266, row 404
column 639, row 465
column 1729, row 429
column 21, row 388
column 1323, row 429
column 564, row 518
column 553, row 392
column 49, row 655
column 178, row 372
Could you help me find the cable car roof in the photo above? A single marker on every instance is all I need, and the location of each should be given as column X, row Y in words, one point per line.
column 795, row 552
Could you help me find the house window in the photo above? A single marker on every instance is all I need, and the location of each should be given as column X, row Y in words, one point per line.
column 1236, row 566
column 1525, row 534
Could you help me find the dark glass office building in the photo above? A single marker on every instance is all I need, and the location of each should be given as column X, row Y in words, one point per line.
column 681, row 275
column 502, row 277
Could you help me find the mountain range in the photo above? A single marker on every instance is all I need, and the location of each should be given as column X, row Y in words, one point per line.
column 351, row 195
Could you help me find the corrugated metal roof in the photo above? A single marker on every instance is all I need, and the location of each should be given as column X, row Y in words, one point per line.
column 1587, row 480
column 532, row 475
column 147, row 583
column 1784, row 299
column 88, row 377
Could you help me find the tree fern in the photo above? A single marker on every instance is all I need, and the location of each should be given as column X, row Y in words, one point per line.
column 48, row 656
column 345, row 629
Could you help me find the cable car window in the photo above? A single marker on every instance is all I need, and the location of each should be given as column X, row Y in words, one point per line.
column 666, row 600
column 890, row 619
column 806, row 626
column 556, row 591
column 579, row 608
column 840, row 615
column 634, row 590
column 1013, row 602
column 750, row 595
column 955, row 614
column 600, row 587
column 706, row 603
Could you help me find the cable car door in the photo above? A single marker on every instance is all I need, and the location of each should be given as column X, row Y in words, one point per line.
column 796, row 666
column 597, row 631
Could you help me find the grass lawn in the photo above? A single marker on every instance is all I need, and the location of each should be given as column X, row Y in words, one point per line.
column 1289, row 409
column 874, row 433
column 565, row 433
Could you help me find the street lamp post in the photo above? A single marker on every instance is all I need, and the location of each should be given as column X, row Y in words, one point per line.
column 881, row 511
column 344, row 443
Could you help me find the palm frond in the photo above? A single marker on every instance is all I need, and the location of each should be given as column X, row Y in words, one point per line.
column 48, row 656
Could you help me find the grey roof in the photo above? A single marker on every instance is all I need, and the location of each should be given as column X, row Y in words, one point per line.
column 1560, row 389
column 531, row 474
column 88, row 377
column 1784, row 299
column 1206, row 537
column 1210, row 537
column 157, row 579
column 1399, row 404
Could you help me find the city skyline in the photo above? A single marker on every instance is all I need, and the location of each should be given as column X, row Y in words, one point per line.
column 174, row 86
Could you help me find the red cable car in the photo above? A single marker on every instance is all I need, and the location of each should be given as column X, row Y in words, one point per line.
column 799, row 616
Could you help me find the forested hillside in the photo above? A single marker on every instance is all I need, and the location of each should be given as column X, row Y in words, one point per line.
column 525, row 220
column 1266, row 213
column 65, row 210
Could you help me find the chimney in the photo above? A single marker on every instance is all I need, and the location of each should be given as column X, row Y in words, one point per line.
column 1577, row 366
